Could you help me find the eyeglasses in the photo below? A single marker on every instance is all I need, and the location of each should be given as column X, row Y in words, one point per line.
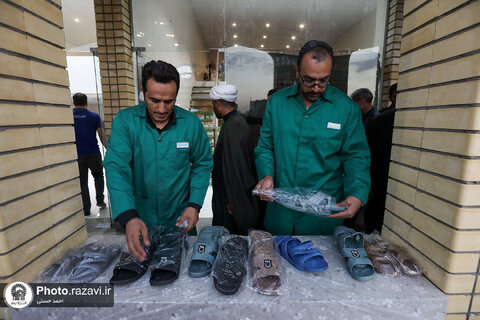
column 310, row 83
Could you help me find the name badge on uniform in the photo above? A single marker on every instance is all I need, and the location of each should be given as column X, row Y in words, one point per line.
column 335, row 126
column 183, row 145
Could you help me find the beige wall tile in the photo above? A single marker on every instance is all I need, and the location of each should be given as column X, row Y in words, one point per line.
column 407, row 137
column 54, row 115
column 18, row 162
column 410, row 118
column 462, row 194
column 455, row 118
column 414, row 79
column 53, row 135
column 405, row 156
column 30, row 272
column 18, row 90
column 457, row 93
column 456, row 70
column 444, row 6
column 458, row 303
column 458, row 168
column 64, row 191
column 51, row 94
column 62, row 173
column 411, row 5
column 14, row 139
column 399, row 208
column 476, row 303
column 419, row 17
column 418, row 38
column 22, row 185
column 457, row 217
column 467, row 144
column 13, row 41
column 46, row 10
column 477, row 286
column 49, row 73
column 456, row 316
column 12, row 16
column 19, row 210
column 66, row 208
column 15, row 114
column 29, row 229
column 417, row 98
column 416, row 58
column 458, row 241
column 44, row 51
column 401, row 191
column 404, row 174
column 395, row 224
column 14, row 66
column 53, row 155
column 456, row 45
column 67, row 227
column 44, row 30
column 459, row 19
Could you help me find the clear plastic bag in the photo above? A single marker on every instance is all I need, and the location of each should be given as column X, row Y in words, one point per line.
column 266, row 275
column 312, row 202
column 388, row 258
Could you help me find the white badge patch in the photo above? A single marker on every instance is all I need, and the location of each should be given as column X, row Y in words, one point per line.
column 183, row 145
column 335, row 126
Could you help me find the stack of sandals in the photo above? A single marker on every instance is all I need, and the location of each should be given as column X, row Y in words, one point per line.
column 164, row 257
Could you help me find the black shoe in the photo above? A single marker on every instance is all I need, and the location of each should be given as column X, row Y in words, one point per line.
column 102, row 205
column 87, row 214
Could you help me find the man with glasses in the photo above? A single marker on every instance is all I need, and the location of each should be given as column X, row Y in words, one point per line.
column 312, row 137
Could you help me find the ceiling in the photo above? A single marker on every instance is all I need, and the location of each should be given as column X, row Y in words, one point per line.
column 203, row 24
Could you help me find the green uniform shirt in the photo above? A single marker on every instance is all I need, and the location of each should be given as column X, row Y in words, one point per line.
column 320, row 148
column 157, row 174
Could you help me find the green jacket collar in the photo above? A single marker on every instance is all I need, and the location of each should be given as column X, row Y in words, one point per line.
column 327, row 95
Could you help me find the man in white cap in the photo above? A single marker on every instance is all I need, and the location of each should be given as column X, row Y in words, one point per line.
column 234, row 174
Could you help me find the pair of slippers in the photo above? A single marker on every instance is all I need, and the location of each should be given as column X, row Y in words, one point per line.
column 351, row 245
column 82, row 265
column 205, row 251
column 301, row 255
column 266, row 278
column 164, row 257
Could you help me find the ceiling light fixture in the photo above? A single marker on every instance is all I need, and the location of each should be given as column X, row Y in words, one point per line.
column 261, row 46
column 169, row 35
column 77, row 20
column 288, row 46
column 264, row 36
column 293, row 38
column 161, row 22
column 267, row 25
column 302, row 26
column 234, row 24
column 176, row 44
column 235, row 36
column 236, row 45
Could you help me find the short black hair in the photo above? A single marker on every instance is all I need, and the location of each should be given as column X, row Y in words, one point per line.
column 321, row 50
column 392, row 88
column 161, row 71
column 362, row 93
column 79, row 99
column 271, row 91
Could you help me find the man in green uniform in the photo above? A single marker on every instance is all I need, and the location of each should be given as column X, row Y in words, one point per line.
column 158, row 161
column 312, row 137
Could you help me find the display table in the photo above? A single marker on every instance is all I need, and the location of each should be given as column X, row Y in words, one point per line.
column 332, row 294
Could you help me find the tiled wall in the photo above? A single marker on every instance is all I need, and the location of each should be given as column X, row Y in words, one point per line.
column 40, row 204
column 433, row 203
column 115, row 54
column 392, row 48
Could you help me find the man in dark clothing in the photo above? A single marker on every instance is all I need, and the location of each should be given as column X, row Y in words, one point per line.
column 87, row 124
column 234, row 174
column 364, row 97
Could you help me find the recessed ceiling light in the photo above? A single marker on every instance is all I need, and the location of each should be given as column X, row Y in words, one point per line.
column 261, row 46
column 234, row 24
column 149, row 44
column 293, row 38
column 236, row 45
column 77, row 20
column 302, row 26
column 288, row 46
column 264, row 36
column 235, row 36
column 176, row 44
column 267, row 25
column 156, row 22
column 161, row 22
column 170, row 35
column 139, row 35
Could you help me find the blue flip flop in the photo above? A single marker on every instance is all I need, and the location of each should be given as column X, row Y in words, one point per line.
column 351, row 245
column 301, row 255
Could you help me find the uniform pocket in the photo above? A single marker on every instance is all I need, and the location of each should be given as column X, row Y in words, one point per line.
column 179, row 158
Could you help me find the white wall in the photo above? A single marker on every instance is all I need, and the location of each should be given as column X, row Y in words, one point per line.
column 359, row 36
column 81, row 73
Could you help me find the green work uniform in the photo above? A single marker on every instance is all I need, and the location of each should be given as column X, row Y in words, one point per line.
column 157, row 175
column 320, row 148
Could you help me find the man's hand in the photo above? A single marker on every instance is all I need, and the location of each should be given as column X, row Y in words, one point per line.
column 265, row 184
column 190, row 214
column 352, row 204
column 134, row 229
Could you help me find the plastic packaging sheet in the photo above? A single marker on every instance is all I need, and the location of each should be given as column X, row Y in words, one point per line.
column 332, row 294
column 265, row 271
column 312, row 202
column 388, row 258
column 168, row 245
column 229, row 270
column 83, row 264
